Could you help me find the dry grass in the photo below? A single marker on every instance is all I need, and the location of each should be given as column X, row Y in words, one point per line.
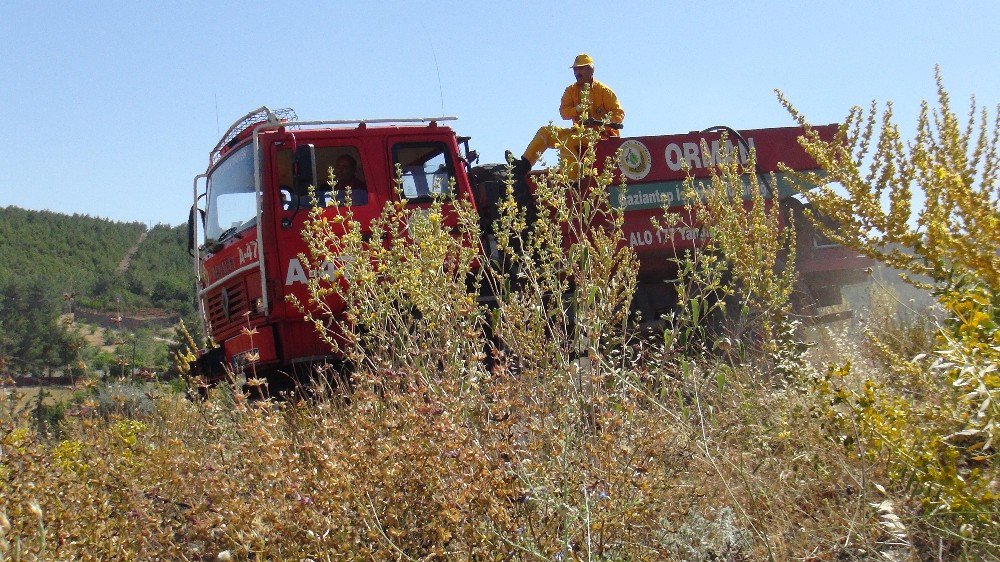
column 25, row 396
column 520, row 472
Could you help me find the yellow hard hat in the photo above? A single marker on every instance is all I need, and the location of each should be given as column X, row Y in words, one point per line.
column 583, row 59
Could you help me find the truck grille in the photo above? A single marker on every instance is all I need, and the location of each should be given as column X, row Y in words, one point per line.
column 227, row 306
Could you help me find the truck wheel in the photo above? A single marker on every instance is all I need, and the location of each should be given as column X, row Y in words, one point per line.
column 210, row 368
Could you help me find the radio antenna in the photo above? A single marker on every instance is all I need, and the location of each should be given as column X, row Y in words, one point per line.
column 437, row 69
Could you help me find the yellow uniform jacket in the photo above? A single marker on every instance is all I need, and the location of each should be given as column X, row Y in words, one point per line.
column 603, row 104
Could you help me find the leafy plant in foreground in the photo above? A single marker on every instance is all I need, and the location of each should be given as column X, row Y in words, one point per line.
column 937, row 438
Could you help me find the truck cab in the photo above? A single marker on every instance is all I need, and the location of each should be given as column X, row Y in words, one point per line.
column 254, row 199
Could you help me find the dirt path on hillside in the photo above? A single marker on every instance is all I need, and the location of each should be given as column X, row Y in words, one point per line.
column 127, row 260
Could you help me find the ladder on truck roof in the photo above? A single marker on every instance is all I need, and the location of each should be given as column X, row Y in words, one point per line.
column 286, row 117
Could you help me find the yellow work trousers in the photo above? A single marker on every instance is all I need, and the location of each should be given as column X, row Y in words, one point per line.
column 549, row 136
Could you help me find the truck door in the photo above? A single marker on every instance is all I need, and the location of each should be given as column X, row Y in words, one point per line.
column 347, row 176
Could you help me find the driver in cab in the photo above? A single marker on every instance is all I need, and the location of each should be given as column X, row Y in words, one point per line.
column 345, row 180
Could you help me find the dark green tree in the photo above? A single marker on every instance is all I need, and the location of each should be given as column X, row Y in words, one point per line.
column 32, row 340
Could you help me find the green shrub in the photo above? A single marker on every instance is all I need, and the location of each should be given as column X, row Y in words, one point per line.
column 935, row 436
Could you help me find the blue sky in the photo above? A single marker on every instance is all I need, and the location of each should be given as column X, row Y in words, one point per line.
column 111, row 107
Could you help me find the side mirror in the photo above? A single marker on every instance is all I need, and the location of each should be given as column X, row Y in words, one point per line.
column 195, row 212
column 304, row 168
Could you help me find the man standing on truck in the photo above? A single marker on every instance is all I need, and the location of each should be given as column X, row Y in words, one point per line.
column 586, row 99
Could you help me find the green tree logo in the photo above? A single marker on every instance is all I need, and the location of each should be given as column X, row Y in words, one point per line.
column 635, row 160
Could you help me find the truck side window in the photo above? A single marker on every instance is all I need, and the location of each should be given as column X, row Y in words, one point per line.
column 427, row 169
column 339, row 174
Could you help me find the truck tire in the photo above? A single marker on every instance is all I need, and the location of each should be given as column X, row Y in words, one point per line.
column 210, row 369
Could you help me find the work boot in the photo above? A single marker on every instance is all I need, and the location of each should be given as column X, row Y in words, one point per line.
column 519, row 166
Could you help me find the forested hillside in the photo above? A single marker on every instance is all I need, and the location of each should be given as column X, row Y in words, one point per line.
column 85, row 256
column 161, row 270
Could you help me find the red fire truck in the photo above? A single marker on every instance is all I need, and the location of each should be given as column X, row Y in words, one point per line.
column 251, row 203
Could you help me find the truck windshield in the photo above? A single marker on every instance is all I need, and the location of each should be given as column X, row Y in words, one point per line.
column 232, row 201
